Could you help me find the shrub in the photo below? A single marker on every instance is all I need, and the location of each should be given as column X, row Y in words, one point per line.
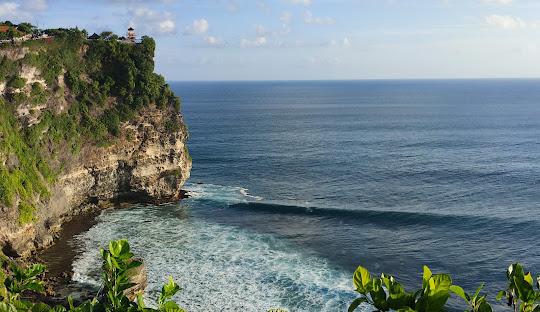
column 7, row 68
column 37, row 94
column 26, row 212
column 171, row 126
column 19, row 98
column 16, row 82
column 385, row 293
column 117, row 262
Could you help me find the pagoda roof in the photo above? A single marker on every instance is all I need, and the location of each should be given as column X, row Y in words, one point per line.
column 94, row 36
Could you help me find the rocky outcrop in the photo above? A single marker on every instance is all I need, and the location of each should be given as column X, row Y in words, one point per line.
column 151, row 167
column 148, row 163
column 14, row 53
column 137, row 276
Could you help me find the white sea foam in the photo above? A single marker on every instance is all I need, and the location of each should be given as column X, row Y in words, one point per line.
column 220, row 267
column 220, row 193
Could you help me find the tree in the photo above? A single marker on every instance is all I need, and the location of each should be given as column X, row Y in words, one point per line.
column 26, row 27
column 106, row 34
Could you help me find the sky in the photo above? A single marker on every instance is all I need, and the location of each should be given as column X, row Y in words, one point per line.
column 313, row 39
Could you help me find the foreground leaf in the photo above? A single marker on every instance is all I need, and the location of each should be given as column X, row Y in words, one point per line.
column 361, row 278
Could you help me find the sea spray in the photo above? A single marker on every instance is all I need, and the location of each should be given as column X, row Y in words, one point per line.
column 220, row 267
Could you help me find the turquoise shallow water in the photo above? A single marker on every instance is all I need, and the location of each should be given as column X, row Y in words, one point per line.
column 304, row 181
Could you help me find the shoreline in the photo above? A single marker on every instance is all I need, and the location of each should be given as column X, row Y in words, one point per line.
column 58, row 256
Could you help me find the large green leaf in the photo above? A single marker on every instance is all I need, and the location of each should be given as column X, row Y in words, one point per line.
column 361, row 278
column 528, row 278
column 426, row 276
column 442, row 282
column 514, row 270
column 174, row 310
column 432, row 301
column 58, row 309
column 70, row 301
column 114, row 263
column 40, row 307
column 114, row 249
column 123, row 287
column 167, row 291
column 354, row 304
column 397, row 301
column 378, row 295
column 478, row 291
column 133, row 264
column 140, row 301
column 438, row 300
column 124, row 250
column 170, row 305
column 377, row 284
column 17, row 272
column 34, row 270
column 484, row 307
column 391, row 284
column 21, row 305
column 460, row 292
column 524, row 289
column 6, row 307
column 34, row 285
column 411, row 298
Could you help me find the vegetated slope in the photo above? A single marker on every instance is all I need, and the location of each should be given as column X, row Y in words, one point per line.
column 82, row 124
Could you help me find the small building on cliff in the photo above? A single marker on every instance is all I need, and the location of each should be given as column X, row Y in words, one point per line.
column 94, row 37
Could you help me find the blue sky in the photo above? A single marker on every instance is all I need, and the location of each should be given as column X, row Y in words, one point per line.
column 313, row 39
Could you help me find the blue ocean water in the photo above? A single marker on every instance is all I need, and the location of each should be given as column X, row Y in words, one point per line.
column 304, row 181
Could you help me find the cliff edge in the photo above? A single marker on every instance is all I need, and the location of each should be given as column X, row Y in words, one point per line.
column 83, row 125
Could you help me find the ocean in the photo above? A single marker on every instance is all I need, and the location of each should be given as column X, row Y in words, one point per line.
column 303, row 181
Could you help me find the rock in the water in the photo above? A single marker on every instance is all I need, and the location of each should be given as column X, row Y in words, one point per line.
column 139, row 277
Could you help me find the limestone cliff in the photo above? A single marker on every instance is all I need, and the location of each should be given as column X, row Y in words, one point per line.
column 142, row 159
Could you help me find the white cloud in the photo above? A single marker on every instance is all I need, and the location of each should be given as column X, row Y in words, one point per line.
column 34, row 5
column 345, row 43
column 498, row 1
column 286, row 17
column 263, row 6
column 258, row 42
column 309, row 19
column 285, row 29
column 167, row 26
column 263, row 31
column 304, row 2
column 9, row 11
column 214, row 42
column 331, row 60
column 21, row 11
column 153, row 22
column 199, row 27
column 507, row 22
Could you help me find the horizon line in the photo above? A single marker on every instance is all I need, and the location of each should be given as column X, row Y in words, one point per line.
column 359, row 79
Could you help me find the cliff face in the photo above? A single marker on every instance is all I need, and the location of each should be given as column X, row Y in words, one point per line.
column 148, row 163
